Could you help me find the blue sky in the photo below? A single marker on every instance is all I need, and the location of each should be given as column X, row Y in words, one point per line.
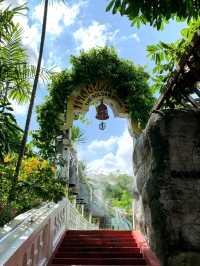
column 83, row 24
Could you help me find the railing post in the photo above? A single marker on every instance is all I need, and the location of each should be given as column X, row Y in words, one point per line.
column 90, row 218
column 82, row 210
column 50, row 237
column 67, row 214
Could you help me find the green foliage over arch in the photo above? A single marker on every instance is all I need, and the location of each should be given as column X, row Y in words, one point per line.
column 127, row 80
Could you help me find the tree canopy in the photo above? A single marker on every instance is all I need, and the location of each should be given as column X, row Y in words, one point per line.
column 130, row 82
column 166, row 58
column 155, row 12
column 119, row 192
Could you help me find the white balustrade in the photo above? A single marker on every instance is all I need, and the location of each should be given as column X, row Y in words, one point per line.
column 31, row 238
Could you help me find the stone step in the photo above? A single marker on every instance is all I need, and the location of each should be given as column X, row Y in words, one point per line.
column 103, row 247
column 101, row 261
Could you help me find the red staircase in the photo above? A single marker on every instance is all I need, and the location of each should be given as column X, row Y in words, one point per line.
column 102, row 247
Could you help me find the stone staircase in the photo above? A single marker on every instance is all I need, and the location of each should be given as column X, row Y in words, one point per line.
column 102, row 247
column 58, row 235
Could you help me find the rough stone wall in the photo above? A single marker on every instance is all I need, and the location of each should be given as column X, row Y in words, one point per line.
column 167, row 186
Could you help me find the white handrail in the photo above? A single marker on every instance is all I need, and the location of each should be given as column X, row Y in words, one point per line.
column 32, row 241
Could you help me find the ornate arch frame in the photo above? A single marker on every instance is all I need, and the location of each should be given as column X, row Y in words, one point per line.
column 80, row 100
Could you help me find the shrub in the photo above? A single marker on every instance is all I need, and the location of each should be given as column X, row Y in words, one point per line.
column 35, row 185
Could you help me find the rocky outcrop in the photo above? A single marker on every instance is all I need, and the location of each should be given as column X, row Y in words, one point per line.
column 167, row 186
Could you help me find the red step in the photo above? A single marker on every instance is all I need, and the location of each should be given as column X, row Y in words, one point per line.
column 103, row 247
column 99, row 244
column 99, row 249
column 94, row 238
column 97, row 255
column 101, row 261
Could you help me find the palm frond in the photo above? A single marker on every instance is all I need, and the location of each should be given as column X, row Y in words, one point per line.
column 14, row 68
column 77, row 135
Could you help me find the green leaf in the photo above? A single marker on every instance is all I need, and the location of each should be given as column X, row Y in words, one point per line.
column 116, row 6
column 156, row 13
column 110, row 5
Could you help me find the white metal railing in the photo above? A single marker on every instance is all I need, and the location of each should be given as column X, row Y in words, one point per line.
column 30, row 239
column 76, row 221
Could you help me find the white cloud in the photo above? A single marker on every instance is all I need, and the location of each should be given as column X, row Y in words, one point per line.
column 59, row 15
column 30, row 40
column 107, row 164
column 19, row 109
column 13, row 3
column 57, row 69
column 119, row 159
column 94, row 35
column 134, row 36
column 105, row 145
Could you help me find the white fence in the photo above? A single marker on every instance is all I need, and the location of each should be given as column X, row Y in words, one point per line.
column 30, row 239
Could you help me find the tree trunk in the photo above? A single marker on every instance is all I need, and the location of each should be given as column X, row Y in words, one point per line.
column 31, row 104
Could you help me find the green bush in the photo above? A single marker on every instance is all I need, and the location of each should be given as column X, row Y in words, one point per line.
column 36, row 184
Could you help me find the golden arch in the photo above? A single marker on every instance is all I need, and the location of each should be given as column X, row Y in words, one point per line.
column 80, row 100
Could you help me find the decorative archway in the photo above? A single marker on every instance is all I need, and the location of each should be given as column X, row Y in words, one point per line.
column 80, row 100
column 94, row 75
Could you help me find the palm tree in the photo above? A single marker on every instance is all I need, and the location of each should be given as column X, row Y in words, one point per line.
column 15, row 72
column 14, row 78
column 14, row 69
column 33, row 93
column 77, row 136
column 10, row 133
column 13, row 83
